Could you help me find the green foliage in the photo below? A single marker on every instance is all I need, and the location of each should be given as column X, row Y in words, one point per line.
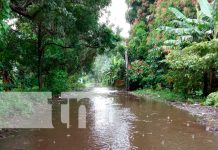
column 196, row 61
column 52, row 40
column 146, row 42
column 138, row 10
column 74, row 83
column 188, row 30
column 14, row 104
column 212, row 99
column 163, row 16
column 172, row 49
column 4, row 9
column 108, row 68
column 100, row 66
column 140, row 71
column 161, row 94
column 215, row 20
column 137, row 43
column 206, row 8
column 3, row 34
column 58, row 81
column 198, row 57
column 193, row 62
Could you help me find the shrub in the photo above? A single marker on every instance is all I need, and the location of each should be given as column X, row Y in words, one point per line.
column 140, row 72
column 188, row 66
column 14, row 103
column 58, row 81
column 74, row 83
column 212, row 99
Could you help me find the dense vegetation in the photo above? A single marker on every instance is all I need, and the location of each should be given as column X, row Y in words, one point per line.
column 48, row 44
column 110, row 67
column 51, row 44
column 173, row 46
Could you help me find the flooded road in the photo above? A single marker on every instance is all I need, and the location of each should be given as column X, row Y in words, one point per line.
column 120, row 121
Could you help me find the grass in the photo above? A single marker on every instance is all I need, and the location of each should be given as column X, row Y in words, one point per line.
column 166, row 95
column 20, row 103
column 12, row 104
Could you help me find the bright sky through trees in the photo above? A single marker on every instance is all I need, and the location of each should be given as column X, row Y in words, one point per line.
column 117, row 17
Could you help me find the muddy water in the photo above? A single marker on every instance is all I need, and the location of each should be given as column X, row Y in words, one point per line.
column 120, row 121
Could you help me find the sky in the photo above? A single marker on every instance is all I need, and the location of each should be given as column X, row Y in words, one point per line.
column 117, row 16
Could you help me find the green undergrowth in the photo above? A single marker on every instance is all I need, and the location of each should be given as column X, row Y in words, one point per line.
column 21, row 103
column 14, row 106
column 167, row 95
column 212, row 99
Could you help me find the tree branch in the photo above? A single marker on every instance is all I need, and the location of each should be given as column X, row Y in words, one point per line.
column 62, row 46
column 55, row 44
column 20, row 11
column 23, row 12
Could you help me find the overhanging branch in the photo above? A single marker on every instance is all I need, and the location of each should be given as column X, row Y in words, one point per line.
column 20, row 11
column 66, row 47
column 55, row 44
column 23, row 12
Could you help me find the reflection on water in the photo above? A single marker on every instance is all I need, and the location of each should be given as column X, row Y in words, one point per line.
column 111, row 126
column 120, row 121
column 103, row 90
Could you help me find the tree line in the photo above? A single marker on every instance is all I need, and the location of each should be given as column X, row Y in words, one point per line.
column 46, row 43
column 173, row 45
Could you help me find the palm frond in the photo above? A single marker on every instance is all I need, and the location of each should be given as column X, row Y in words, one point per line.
column 206, row 8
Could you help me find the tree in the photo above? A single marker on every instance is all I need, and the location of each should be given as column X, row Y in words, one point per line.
column 189, row 30
column 137, row 43
column 199, row 66
column 62, row 28
column 146, row 43
column 196, row 61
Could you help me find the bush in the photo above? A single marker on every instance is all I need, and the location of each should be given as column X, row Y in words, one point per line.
column 188, row 66
column 140, row 72
column 74, row 83
column 58, row 82
column 212, row 99
column 14, row 103
column 163, row 95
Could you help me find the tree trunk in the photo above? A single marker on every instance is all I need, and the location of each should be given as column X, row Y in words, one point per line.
column 212, row 80
column 209, row 82
column 40, row 82
column 39, row 50
column 6, row 80
column 205, row 88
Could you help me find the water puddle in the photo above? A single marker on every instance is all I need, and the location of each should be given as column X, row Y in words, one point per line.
column 119, row 121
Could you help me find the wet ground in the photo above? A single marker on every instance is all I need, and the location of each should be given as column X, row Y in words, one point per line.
column 119, row 121
column 206, row 115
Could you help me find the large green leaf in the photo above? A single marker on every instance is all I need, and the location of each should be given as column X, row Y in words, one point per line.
column 178, row 14
column 181, row 16
column 206, row 8
column 186, row 38
column 216, row 21
column 197, row 21
column 181, row 31
column 173, row 42
column 181, row 23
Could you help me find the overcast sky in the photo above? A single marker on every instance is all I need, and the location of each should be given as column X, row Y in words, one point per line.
column 117, row 17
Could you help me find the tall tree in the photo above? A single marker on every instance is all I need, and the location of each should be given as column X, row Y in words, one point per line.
column 62, row 25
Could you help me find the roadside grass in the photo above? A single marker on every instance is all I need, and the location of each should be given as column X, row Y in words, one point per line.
column 167, row 95
column 21, row 103
column 212, row 99
column 13, row 104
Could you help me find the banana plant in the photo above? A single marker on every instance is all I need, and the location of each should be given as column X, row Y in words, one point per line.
column 216, row 21
column 210, row 10
column 190, row 30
